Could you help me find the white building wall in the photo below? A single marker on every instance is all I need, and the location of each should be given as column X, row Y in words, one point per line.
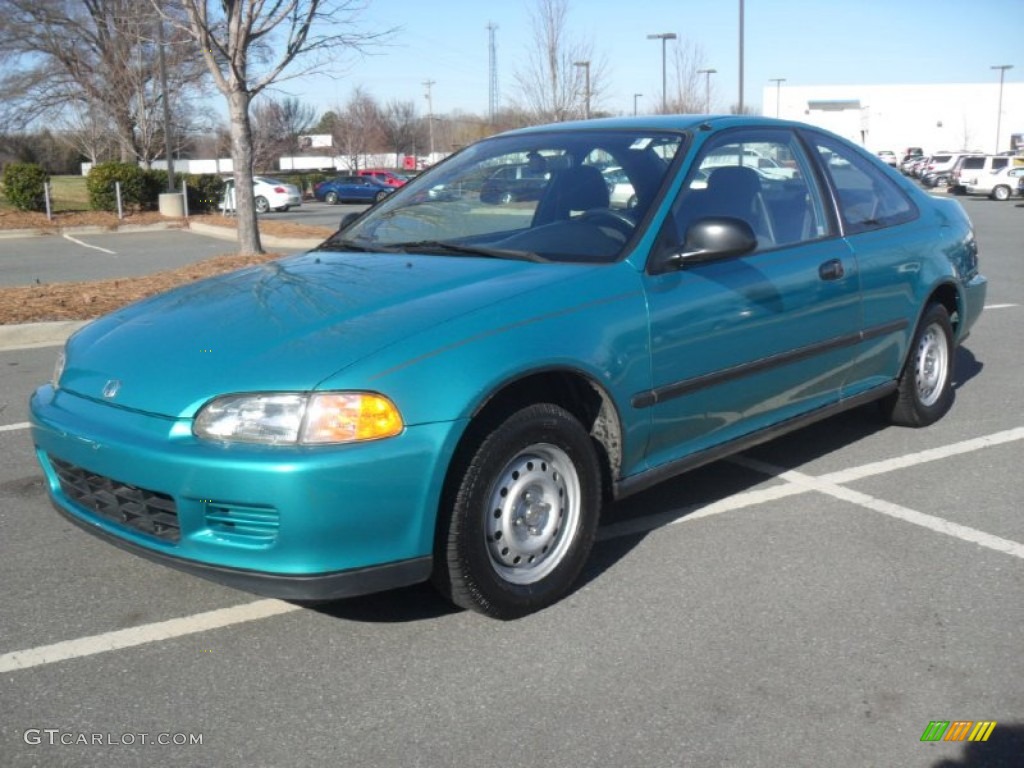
column 933, row 117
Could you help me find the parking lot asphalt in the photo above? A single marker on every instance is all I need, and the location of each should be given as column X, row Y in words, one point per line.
column 816, row 601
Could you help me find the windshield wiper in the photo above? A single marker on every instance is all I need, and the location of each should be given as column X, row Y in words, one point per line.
column 455, row 249
column 352, row 246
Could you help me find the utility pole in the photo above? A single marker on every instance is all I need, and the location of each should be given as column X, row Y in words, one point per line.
column 586, row 91
column 492, row 100
column 635, row 97
column 999, row 114
column 740, row 111
column 778, row 91
column 428, row 84
column 664, row 37
column 707, row 87
column 168, row 144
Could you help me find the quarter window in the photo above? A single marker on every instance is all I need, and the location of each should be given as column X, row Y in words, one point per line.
column 867, row 198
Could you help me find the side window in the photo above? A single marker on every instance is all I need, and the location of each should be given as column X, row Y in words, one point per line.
column 762, row 176
column 867, row 198
column 999, row 163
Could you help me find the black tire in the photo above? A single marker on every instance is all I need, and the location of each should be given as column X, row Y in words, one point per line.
column 380, row 196
column 331, row 198
column 507, row 198
column 925, row 390
column 262, row 205
column 501, row 548
column 1001, row 193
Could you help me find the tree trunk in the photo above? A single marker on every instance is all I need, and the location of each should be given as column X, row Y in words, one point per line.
column 242, row 157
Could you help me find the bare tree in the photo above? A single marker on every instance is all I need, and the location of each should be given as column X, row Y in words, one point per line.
column 248, row 45
column 553, row 80
column 690, row 96
column 356, row 129
column 276, row 127
column 97, row 56
column 402, row 129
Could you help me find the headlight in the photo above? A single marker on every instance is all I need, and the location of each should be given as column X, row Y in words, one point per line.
column 58, row 369
column 299, row 418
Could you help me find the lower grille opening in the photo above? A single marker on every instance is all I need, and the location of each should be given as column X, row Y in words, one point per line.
column 149, row 512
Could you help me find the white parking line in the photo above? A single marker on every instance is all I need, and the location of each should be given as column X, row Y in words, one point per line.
column 795, row 483
column 146, row 633
column 1000, row 306
column 912, row 516
column 13, row 427
column 76, row 241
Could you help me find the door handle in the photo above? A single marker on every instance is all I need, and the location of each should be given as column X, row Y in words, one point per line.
column 831, row 270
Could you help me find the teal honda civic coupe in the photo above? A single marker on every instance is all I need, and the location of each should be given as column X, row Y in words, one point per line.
column 454, row 384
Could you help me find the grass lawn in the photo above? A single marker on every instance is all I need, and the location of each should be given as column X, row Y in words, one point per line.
column 67, row 193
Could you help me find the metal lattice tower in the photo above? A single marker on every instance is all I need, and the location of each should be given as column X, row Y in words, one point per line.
column 492, row 105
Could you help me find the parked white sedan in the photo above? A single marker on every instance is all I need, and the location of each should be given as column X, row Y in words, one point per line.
column 271, row 195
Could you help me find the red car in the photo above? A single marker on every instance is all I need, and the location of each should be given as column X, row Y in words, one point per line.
column 384, row 177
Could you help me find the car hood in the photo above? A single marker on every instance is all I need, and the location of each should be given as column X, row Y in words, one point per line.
column 283, row 326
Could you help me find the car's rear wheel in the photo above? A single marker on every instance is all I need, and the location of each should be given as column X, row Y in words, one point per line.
column 925, row 391
column 1001, row 192
column 380, row 196
column 262, row 205
column 507, row 197
column 522, row 517
column 331, row 198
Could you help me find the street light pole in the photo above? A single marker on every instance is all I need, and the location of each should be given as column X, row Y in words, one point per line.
column 586, row 92
column 778, row 90
column 664, row 37
column 635, row 97
column 999, row 114
column 740, row 110
column 707, row 87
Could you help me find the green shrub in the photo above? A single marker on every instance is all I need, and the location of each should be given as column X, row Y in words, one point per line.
column 204, row 191
column 102, row 194
column 23, row 186
column 154, row 183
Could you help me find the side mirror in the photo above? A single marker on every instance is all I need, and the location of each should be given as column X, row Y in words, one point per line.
column 347, row 219
column 716, row 237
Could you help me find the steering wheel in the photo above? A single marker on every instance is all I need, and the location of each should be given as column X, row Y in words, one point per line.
column 618, row 221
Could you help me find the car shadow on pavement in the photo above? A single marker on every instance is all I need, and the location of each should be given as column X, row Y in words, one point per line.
column 965, row 367
column 1004, row 749
column 626, row 523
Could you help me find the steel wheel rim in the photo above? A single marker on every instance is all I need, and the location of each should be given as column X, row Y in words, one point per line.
column 533, row 514
column 932, row 365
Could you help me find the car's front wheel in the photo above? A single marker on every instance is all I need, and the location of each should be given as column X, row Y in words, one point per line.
column 925, row 391
column 523, row 515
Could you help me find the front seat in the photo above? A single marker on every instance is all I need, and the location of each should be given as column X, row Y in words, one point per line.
column 736, row 191
column 572, row 190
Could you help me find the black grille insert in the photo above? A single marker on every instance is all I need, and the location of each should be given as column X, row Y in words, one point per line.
column 149, row 512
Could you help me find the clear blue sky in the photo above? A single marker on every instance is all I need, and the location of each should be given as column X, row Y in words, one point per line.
column 808, row 42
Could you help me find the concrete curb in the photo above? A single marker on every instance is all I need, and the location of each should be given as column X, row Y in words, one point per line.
column 34, row 335
column 93, row 229
column 225, row 233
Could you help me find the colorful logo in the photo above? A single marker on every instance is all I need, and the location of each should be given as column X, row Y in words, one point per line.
column 958, row 730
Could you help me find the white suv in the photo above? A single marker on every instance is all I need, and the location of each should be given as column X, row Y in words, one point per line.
column 999, row 184
column 973, row 174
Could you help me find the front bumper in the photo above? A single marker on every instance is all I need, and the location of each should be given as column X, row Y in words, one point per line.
column 293, row 522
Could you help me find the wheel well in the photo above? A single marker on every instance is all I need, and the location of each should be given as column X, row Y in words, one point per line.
column 574, row 392
column 946, row 295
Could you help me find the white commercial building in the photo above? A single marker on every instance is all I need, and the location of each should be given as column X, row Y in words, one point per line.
column 895, row 117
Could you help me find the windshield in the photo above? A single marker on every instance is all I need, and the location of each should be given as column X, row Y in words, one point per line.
column 572, row 195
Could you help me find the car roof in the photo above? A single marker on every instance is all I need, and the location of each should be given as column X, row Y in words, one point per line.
column 656, row 123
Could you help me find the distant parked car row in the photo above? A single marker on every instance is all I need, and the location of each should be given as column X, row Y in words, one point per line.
column 971, row 173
